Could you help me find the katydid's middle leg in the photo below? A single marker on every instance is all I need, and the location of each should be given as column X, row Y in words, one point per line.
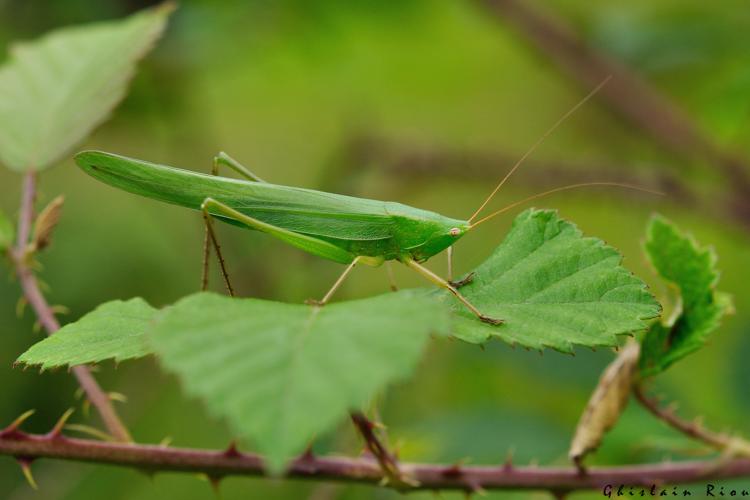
column 391, row 277
column 448, row 286
column 335, row 286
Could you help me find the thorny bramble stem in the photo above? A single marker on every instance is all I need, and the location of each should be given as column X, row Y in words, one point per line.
column 218, row 464
column 377, row 448
column 46, row 316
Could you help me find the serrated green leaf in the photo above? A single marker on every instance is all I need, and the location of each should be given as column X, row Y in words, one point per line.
column 114, row 330
column 692, row 269
column 6, row 232
column 554, row 288
column 55, row 90
column 281, row 374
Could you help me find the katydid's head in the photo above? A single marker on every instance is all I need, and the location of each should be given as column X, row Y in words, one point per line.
column 446, row 233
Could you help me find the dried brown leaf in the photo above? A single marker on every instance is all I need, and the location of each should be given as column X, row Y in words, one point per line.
column 607, row 402
column 46, row 222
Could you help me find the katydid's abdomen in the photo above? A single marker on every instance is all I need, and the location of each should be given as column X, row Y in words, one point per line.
column 362, row 227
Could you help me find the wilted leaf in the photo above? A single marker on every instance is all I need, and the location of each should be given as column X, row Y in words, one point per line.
column 554, row 288
column 606, row 404
column 281, row 374
column 114, row 330
column 55, row 90
column 46, row 222
column 7, row 235
column 692, row 269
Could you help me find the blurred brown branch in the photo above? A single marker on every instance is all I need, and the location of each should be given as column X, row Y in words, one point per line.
column 628, row 95
column 419, row 161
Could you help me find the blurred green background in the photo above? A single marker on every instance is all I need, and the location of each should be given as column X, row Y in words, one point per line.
column 425, row 102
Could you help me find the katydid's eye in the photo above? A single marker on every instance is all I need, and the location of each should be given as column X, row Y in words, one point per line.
column 454, row 231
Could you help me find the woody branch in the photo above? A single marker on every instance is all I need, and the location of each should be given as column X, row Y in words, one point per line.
column 21, row 258
column 218, row 464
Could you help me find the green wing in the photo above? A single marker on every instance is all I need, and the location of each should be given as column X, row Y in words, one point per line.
column 296, row 209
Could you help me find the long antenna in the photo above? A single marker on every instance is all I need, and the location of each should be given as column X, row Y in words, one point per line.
column 537, row 144
column 556, row 190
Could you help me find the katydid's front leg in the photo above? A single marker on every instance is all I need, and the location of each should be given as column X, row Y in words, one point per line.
column 462, row 282
column 445, row 284
column 209, row 239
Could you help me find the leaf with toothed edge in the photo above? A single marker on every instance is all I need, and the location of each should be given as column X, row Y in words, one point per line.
column 679, row 259
column 114, row 330
column 553, row 288
column 55, row 90
column 281, row 374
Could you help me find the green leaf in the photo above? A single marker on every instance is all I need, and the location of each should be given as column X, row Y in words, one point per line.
column 281, row 374
column 692, row 269
column 114, row 330
column 7, row 235
column 55, row 90
column 554, row 288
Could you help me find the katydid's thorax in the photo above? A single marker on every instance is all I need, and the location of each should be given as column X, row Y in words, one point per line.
column 401, row 232
column 422, row 233
column 414, row 234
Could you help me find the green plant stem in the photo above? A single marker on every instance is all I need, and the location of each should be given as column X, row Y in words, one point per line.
column 218, row 464
column 30, row 286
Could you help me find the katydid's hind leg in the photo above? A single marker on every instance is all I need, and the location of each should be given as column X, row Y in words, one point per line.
column 211, row 240
column 309, row 244
column 206, row 256
column 336, row 285
column 305, row 242
column 445, row 284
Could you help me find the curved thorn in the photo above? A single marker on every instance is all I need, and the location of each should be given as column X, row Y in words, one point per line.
column 117, row 396
column 17, row 422
column 25, row 464
column 91, row 431
column 57, row 429
column 232, row 451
